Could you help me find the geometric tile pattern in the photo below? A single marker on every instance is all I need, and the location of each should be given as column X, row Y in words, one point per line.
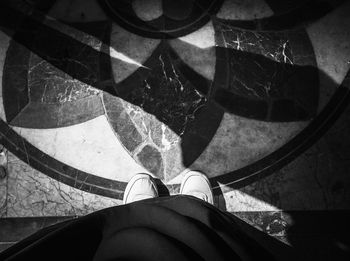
column 163, row 90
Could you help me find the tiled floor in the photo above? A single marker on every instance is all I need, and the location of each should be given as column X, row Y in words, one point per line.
column 253, row 93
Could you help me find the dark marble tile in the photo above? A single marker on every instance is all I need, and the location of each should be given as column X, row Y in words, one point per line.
column 47, row 84
column 272, row 223
column 272, row 73
column 76, row 57
column 165, row 92
column 234, row 103
column 168, row 102
column 74, row 52
column 165, row 104
column 177, row 102
column 152, row 160
column 200, row 132
column 50, row 115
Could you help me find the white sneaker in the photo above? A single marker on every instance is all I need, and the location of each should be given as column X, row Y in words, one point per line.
column 197, row 184
column 140, row 187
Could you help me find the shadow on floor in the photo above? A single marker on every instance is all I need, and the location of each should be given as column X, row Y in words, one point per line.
column 311, row 232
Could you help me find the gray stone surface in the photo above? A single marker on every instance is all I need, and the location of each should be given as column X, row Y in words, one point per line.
column 317, row 180
column 31, row 193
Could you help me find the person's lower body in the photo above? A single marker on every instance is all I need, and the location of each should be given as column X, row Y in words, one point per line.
column 147, row 227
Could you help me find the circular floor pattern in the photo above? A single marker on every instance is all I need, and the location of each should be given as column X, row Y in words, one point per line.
column 90, row 102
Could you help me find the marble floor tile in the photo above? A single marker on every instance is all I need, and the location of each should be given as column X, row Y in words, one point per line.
column 31, row 193
column 91, row 95
column 317, row 180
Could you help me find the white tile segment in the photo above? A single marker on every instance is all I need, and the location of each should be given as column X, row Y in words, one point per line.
column 4, row 44
column 244, row 10
column 128, row 44
column 202, row 38
column 90, row 146
column 198, row 50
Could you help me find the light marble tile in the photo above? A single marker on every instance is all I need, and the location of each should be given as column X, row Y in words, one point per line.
column 197, row 50
column 128, row 44
column 238, row 201
column 90, row 146
column 31, row 193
